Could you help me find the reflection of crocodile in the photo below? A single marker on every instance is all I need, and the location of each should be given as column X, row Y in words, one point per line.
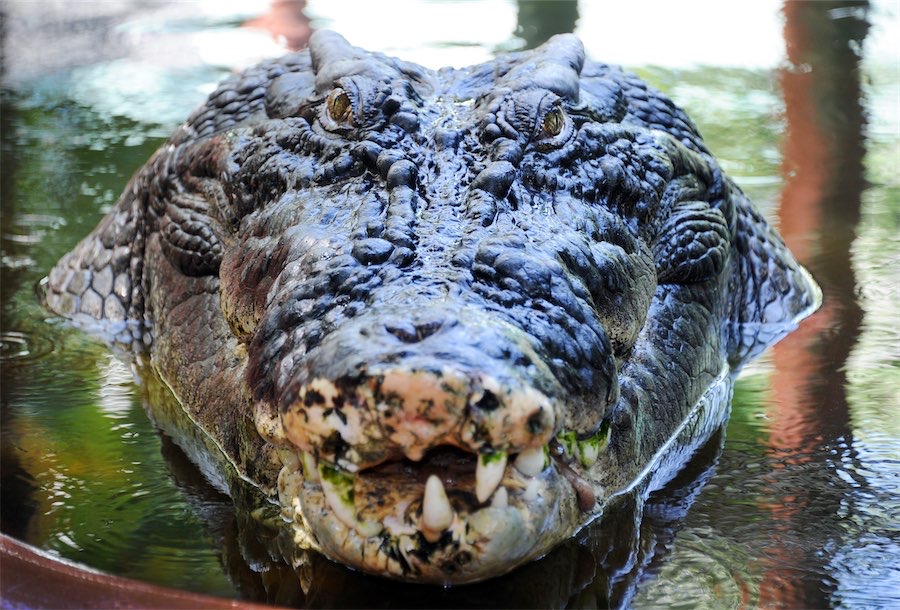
column 442, row 316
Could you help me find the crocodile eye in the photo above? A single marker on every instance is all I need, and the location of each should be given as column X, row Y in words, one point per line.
column 339, row 106
column 553, row 124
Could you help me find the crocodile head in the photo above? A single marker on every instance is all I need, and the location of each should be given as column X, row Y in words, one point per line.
column 444, row 278
column 472, row 304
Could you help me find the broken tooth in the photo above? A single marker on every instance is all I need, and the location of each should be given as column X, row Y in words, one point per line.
column 437, row 514
column 289, row 458
column 569, row 442
column 310, row 470
column 501, row 498
column 337, row 485
column 488, row 474
column 531, row 461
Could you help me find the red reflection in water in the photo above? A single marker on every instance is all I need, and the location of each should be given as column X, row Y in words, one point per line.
column 286, row 22
column 820, row 207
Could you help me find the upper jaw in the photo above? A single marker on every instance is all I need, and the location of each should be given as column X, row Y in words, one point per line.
column 359, row 422
column 364, row 396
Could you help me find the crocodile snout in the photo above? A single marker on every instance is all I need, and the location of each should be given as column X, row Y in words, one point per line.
column 393, row 386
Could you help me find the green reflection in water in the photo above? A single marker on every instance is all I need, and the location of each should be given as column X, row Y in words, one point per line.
column 72, row 418
column 873, row 387
column 739, row 114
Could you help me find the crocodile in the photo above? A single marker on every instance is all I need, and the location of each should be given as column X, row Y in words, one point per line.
column 440, row 317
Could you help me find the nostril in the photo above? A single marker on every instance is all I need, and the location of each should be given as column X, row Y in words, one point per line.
column 402, row 330
column 488, row 402
column 425, row 330
column 536, row 422
column 413, row 333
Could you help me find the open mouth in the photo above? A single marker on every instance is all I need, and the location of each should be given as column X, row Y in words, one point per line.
column 452, row 516
column 442, row 474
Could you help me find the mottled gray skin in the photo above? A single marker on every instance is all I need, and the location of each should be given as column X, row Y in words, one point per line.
column 356, row 271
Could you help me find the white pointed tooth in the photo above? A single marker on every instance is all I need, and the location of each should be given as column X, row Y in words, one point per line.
column 530, row 462
column 488, row 474
column 501, row 498
column 338, row 489
column 437, row 514
column 310, row 469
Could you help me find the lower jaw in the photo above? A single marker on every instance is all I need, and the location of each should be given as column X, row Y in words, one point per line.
column 484, row 543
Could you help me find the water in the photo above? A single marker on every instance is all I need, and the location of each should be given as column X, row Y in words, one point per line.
column 798, row 505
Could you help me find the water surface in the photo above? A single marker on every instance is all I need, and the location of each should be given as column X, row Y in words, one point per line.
column 797, row 504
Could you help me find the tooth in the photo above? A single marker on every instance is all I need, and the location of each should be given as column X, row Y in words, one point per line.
column 289, row 484
column 501, row 498
column 310, row 471
column 569, row 442
column 289, row 458
column 338, row 488
column 437, row 514
column 530, row 462
column 337, row 485
column 532, row 491
column 588, row 451
column 488, row 474
column 369, row 528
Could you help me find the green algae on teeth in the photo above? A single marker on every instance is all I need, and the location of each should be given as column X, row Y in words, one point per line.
column 489, row 473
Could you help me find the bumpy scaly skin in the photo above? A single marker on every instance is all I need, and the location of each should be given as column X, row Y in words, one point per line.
column 359, row 275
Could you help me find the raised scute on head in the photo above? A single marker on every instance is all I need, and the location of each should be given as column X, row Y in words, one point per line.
column 555, row 66
column 332, row 57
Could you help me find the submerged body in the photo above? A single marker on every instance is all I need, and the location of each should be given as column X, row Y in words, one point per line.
column 442, row 317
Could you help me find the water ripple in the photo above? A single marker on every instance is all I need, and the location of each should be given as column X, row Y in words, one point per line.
column 17, row 347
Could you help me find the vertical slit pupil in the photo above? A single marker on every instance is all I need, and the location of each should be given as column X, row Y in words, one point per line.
column 553, row 122
column 339, row 108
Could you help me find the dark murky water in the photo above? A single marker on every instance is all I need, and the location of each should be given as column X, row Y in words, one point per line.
column 798, row 505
